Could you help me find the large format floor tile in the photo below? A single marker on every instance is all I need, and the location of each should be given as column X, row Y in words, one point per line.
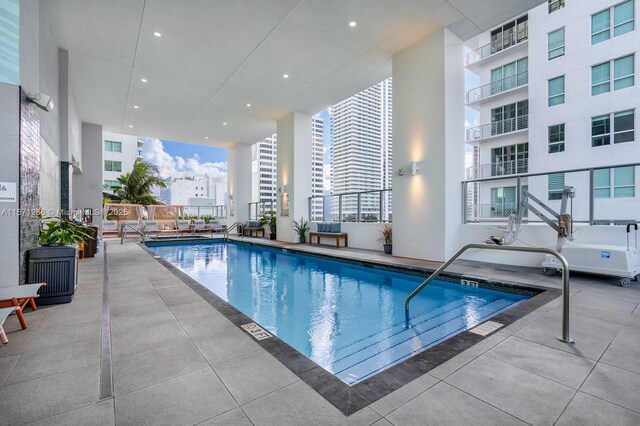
column 146, row 339
column 98, row 414
column 615, row 385
column 586, row 410
column 624, row 351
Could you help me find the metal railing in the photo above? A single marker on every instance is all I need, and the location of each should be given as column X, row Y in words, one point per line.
column 258, row 208
column 364, row 206
column 593, row 205
column 135, row 230
column 496, row 87
column 565, row 279
column 502, row 43
column 215, row 211
column 231, row 228
column 555, row 5
column 504, row 168
column 497, row 128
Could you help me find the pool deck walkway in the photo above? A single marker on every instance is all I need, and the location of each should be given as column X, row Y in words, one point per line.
column 178, row 361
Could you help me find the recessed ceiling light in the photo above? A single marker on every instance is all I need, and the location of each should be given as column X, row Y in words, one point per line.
column 353, row 24
column 131, row 126
column 224, row 123
column 136, row 107
column 157, row 34
column 248, row 105
column 285, row 75
column 206, row 137
column 144, row 80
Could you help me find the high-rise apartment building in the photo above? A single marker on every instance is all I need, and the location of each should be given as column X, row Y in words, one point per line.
column 119, row 153
column 361, row 152
column 558, row 93
column 186, row 189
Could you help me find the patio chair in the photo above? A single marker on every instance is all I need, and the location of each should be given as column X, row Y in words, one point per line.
column 4, row 313
column 18, row 297
column 183, row 226
column 151, row 227
column 109, row 228
column 200, row 225
column 216, row 227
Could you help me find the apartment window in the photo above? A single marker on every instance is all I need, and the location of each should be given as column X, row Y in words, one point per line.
column 509, row 76
column 623, row 128
column 555, row 5
column 503, row 201
column 510, row 118
column 555, row 185
column 112, row 166
column 111, row 185
column 507, row 160
column 556, row 43
column 623, row 179
column 623, row 22
column 623, row 75
column 556, row 91
column 556, row 138
column 113, row 146
column 509, row 34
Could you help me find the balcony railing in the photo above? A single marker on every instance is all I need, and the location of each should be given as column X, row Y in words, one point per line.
column 215, row 211
column 496, row 87
column 511, row 167
column 505, row 41
column 366, row 206
column 555, row 5
column 258, row 208
column 498, row 128
column 493, row 199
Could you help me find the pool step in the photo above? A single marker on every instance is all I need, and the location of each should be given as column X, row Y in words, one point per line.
column 394, row 347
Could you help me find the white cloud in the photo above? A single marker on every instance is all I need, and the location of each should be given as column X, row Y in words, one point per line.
column 170, row 166
column 327, row 177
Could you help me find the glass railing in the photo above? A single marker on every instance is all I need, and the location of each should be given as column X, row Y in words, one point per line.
column 258, row 208
column 366, row 206
column 501, row 43
column 603, row 196
column 494, row 88
column 504, row 168
column 497, row 128
column 215, row 211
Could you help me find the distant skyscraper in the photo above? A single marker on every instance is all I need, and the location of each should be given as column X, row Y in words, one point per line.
column 361, row 152
column 317, row 164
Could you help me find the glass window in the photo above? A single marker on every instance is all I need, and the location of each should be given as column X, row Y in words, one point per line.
column 623, row 21
column 623, row 126
column 556, row 43
column 556, row 138
column 112, row 166
column 602, row 183
column 113, row 146
column 111, row 185
column 623, row 182
column 623, row 72
column 503, row 201
column 555, row 5
column 600, row 78
column 600, row 26
column 556, row 91
column 555, row 185
column 601, row 130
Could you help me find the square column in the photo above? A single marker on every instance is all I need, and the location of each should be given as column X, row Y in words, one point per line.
column 238, row 183
column 428, row 128
column 293, row 172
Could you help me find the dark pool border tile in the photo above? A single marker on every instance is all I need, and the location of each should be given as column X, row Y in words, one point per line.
column 350, row 399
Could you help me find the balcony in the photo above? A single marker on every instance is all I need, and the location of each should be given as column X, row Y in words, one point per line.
column 495, row 88
column 502, row 44
column 505, row 168
column 498, row 128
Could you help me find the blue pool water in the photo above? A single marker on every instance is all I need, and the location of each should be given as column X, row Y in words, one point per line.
column 347, row 318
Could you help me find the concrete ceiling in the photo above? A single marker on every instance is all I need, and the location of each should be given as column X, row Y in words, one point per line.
column 215, row 56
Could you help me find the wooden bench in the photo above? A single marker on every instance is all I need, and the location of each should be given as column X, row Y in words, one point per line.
column 329, row 230
column 253, row 227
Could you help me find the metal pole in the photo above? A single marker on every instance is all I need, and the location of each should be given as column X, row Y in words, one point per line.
column 565, row 279
column 465, row 206
column 359, row 209
column 591, row 201
column 339, row 208
column 380, row 219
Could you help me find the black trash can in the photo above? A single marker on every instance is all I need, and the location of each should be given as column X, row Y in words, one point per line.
column 58, row 267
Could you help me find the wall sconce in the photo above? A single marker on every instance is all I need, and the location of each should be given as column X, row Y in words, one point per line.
column 230, row 197
column 283, row 189
column 414, row 168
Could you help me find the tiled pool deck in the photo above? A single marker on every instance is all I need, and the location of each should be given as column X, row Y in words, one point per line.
column 177, row 360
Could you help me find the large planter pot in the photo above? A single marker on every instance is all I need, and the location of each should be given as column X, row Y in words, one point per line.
column 387, row 248
column 303, row 239
column 58, row 267
column 272, row 236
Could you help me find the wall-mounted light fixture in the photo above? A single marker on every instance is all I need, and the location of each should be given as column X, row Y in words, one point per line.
column 283, row 189
column 42, row 101
column 414, row 168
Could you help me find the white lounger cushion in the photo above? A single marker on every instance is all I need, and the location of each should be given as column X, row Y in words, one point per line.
column 19, row 291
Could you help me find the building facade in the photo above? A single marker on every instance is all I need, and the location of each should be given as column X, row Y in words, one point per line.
column 570, row 123
column 119, row 153
column 361, row 153
column 189, row 190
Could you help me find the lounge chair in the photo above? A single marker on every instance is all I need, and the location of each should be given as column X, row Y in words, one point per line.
column 18, row 297
column 109, row 228
column 151, row 227
column 4, row 313
column 200, row 225
column 183, row 226
column 216, row 227
column 132, row 227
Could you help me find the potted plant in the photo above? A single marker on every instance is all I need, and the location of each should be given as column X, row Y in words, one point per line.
column 270, row 218
column 386, row 238
column 56, row 261
column 301, row 229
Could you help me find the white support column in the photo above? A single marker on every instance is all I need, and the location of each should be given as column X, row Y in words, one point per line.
column 293, row 172
column 238, row 183
column 428, row 127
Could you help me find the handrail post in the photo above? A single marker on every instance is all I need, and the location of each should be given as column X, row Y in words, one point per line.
column 565, row 279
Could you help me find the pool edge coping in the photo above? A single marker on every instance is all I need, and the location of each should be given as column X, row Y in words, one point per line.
column 350, row 399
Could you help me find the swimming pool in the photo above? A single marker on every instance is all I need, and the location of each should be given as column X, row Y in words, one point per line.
column 349, row 319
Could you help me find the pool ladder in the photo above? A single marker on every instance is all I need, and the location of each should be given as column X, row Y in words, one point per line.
column 565, row 279
column 229, row 229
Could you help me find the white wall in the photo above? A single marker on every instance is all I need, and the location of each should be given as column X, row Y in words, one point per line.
column 49, row 180
column 87, row 185
column 238, row 183
column 361, row 235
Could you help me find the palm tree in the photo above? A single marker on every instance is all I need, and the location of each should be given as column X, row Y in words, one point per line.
column 137, row 185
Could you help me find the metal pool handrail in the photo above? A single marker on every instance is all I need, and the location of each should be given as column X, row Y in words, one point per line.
column 134, row 229
column 565, row 279
column 229, row 229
